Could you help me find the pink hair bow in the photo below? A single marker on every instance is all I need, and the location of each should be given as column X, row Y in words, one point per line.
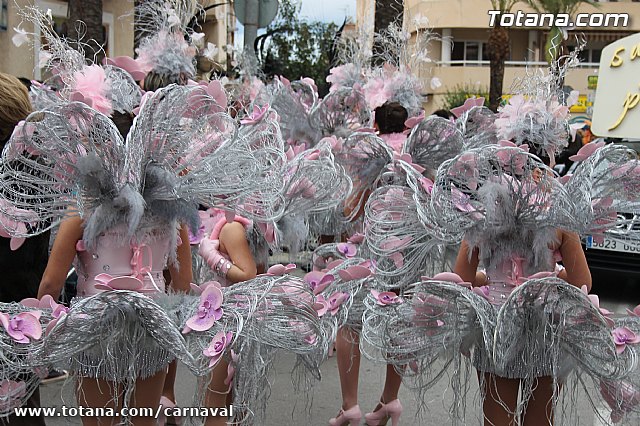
column 468, row 104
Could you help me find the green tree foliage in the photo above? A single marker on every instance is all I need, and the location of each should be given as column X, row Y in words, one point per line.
column 461, row 92
column 295, row 48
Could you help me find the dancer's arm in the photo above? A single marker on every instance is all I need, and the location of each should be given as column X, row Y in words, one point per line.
column 233, row 242
column 467, row 266
column 182, row 274
column 62, row 255
column 574, row 261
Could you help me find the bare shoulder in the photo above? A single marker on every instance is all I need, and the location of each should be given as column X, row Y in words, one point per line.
column 232, row 230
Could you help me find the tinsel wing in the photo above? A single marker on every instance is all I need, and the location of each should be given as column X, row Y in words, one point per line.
column 67, row 159
column 432, row 141
column 340, row 113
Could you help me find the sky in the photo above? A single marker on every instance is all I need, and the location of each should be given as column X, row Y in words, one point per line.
column 316, row 10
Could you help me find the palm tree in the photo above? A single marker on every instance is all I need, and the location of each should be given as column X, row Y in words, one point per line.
column 555, row 41
column 90, row 31
column 498, row 46
column 387, row 12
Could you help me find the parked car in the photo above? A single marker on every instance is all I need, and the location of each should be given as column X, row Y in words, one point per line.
column 615, row 262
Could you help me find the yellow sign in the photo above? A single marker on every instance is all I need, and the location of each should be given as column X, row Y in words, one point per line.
column 617, row 103
column 580, row 106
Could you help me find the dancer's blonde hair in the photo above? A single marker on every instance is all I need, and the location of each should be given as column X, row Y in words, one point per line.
column 14, row 104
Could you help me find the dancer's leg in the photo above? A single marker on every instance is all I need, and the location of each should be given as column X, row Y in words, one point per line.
column 147, row 395
column 539, row 410
column 217, row 393
column 500, row 400
column 348, row 357
column 391, row 385
column 98, row 393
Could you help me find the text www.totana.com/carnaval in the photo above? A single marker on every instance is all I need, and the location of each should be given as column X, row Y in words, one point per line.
column 126, row 411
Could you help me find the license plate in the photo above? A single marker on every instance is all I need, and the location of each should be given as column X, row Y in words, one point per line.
column 612, row 244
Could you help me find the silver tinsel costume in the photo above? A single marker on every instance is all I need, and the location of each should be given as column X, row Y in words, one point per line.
column 183, row 150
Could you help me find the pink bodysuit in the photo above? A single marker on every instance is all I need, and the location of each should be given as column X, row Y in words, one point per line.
column 104, row 266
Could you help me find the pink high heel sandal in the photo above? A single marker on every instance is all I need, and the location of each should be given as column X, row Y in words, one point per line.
column 380, row 417
column 351, row 417
column 170, row 420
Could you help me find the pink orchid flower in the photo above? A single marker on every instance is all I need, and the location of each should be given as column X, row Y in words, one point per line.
column 482, row 291
column 46, row 302
column 321, row 305
column 622, row 337
column 231, row 368
column 302, row 187
column 407, row 159
column 448, row 277
column 334, row 263
column 280, row 269
column 23, row 327
column 198, row 289
column 414, row 121
column 256, row 116
column 385, row 297
column 586, row 151
column 595, row 300
column 128, row 64
column 355, row 272
column 461, row 200
column 357, row 238
column 336, row 300
column 11, row 394
column 622, row 397
column 318, row 281
column 217, row 347
column 348, row 250
column 468, row 104
column 635, row 312
column 209, row 311
column 426, row 184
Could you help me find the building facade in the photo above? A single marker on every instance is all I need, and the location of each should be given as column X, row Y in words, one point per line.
column 117, row 17
column 461, row 57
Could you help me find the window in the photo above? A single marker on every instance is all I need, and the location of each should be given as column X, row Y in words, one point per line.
column 469, row 51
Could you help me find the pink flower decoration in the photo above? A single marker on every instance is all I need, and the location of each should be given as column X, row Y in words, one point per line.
column 217, row 347
column 356, row 238
column 468, row 104
column 128, row 64
column 334, row 263
column 23, row 327
column 586, row 151
column 622, row 397
column 257, row 115
column 108, row 282
column 347, row 249
column 622, row 337
column 198, row 289
column 231, row 368
column 427, row 184
column 318, row 281
column 280, row 269
column 336, row 300
column 355, row 272
column 448, row 277
column 386, row 297
column 461, row 200
column 217, row 92
column 635, row 312
column 595, row 300
column 302, row 187
column 407, row 159
column 46, row 302
column 209, row 310
column 414, row 121
column 11, row 393
column 482, row 291
column 321, row 305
